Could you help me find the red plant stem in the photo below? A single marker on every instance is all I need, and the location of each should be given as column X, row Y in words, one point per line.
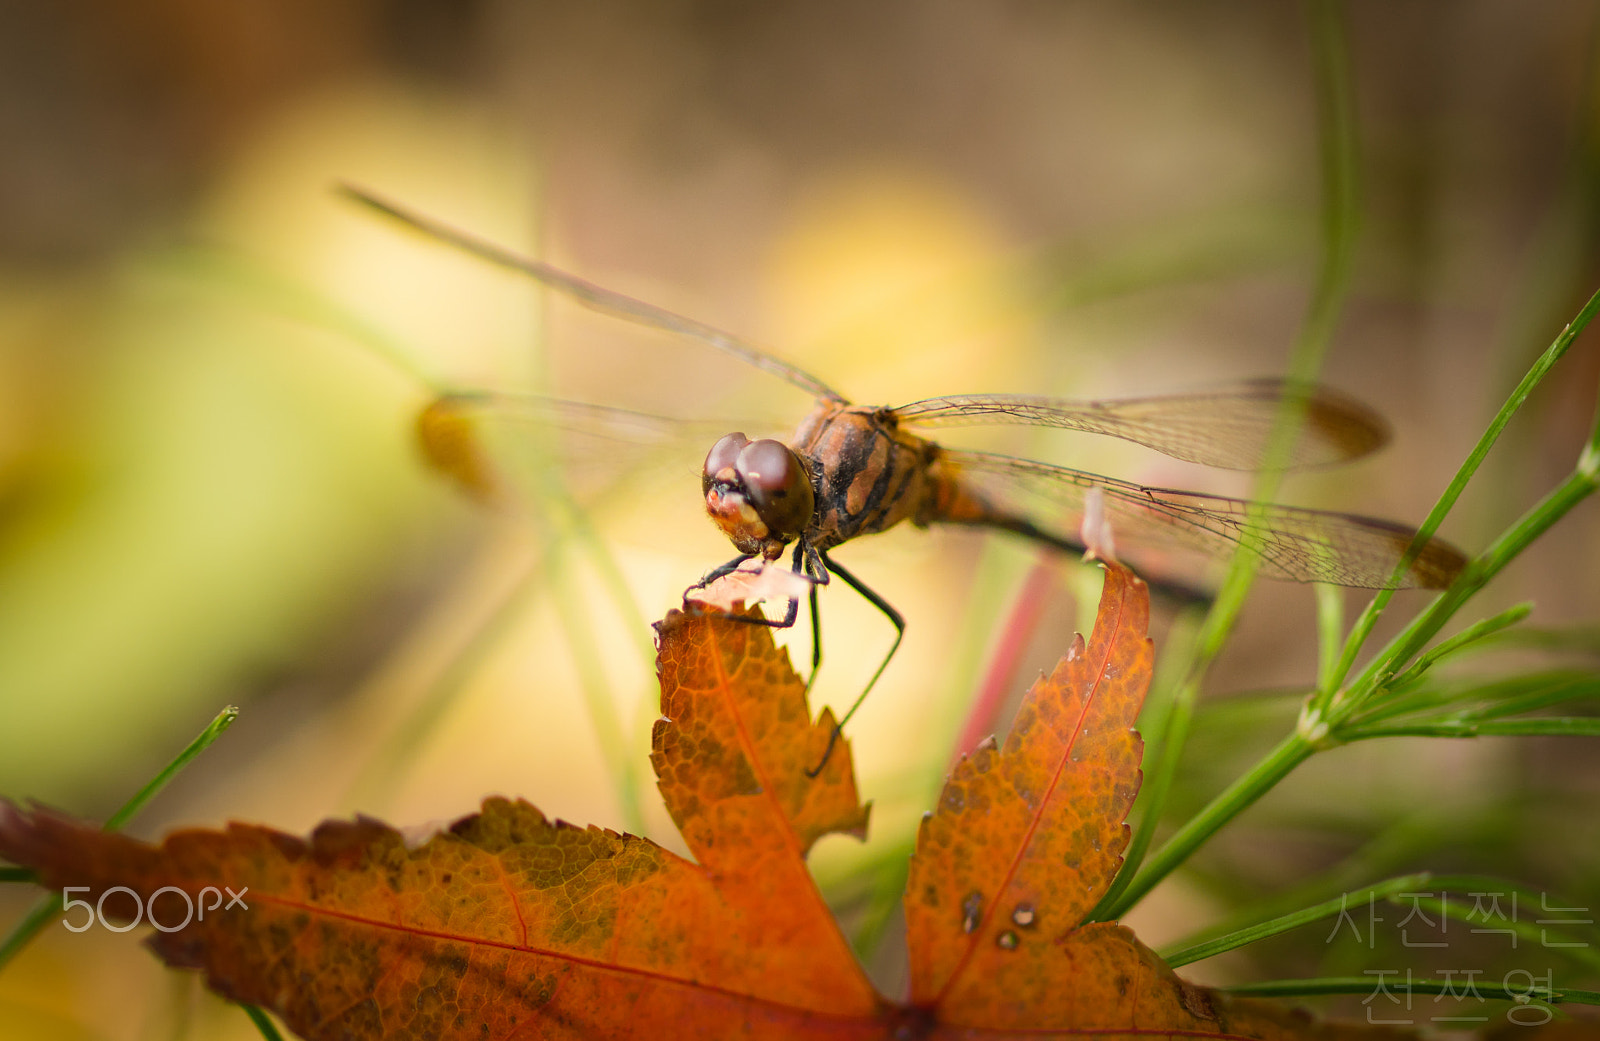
column 1017, row 633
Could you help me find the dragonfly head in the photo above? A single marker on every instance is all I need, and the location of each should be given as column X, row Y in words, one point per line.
column 758, row 492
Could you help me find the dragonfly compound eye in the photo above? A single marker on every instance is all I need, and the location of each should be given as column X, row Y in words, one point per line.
column 778, row 485
column 720, row 461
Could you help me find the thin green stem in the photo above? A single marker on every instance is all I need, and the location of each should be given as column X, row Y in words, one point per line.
column 1297, row 747
column 49, row 906
column 1542, row 696
column 263, row 1022
column 214, row 729
column 1390, row 981
column 1341, row 218
column 1278, row 764
column 1540, row 726
column 1471, row 634
column 1576, row 944
column 603, row 715
column 1341, row 209
column 1168, row 734
column 39, row 915
column 1422, row 888
column 1330, row 623
column 377, row 776
column 1555, row 505
column 1535, row 375
column 1515, row 695
column 1283, row 923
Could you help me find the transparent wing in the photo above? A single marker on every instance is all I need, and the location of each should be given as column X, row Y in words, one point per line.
column 1226, row 427
column 504, row 448
column 1296, row 544
column 598, row 298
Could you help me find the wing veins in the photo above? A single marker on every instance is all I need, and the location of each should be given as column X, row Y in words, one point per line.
column 596, row 297
column 1294, row 542
column 1227, row 427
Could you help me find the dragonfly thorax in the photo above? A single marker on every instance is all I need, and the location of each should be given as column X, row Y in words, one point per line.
column 758, row 492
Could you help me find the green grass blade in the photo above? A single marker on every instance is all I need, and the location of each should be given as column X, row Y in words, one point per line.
column 50, row 905
column 1341, row 213
column 33, row 923
column 1451, row 598
column 1283, row 923
column 1510, row 696
column 220, row 723
column 1471, row 634
column 263, row 1022
column 1541, row 726
column 1444, row 988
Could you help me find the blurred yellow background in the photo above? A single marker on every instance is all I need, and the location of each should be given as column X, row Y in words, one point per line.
column 209, row 491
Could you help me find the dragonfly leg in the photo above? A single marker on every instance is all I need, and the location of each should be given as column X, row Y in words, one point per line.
column 899, row 623
column 816, row 637
column 720, row 571
column 792, row 613
column 817, row 571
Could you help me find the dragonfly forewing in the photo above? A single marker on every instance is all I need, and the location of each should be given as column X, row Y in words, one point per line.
column 1227, row 427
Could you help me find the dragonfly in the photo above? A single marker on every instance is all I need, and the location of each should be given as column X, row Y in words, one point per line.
column 852, row 470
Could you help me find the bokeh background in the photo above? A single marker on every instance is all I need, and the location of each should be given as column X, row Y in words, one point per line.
column 210, row 367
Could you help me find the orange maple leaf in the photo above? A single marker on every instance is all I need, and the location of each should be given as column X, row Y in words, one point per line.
column 510, row 926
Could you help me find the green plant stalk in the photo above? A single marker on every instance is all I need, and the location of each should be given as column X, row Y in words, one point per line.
column 423, row 718
column 1283, row 923
column 1446, row 988
column 1544, row 697
column 1225, row 243
column 1341, row 209
column 203, row 740
column 1555, row 505
column 1299, row 746
column 1388, row 890
column 377, row 775
column 1278, row 764
column 268, row 288
column 1330, row 624
column 49, row 906
column 887, row 892
column 1324, row 713
column 1582, row 950
column 1577, row 638
column 1170, row 732
column 1535, row 375
column 1396, row 845
column 603, row 715
column 1513, row 696
column 39, row 915
column 268, row 1028
column 1471, row 634
column 1311, row 734
column 1542, row 726
column 1341, row 218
